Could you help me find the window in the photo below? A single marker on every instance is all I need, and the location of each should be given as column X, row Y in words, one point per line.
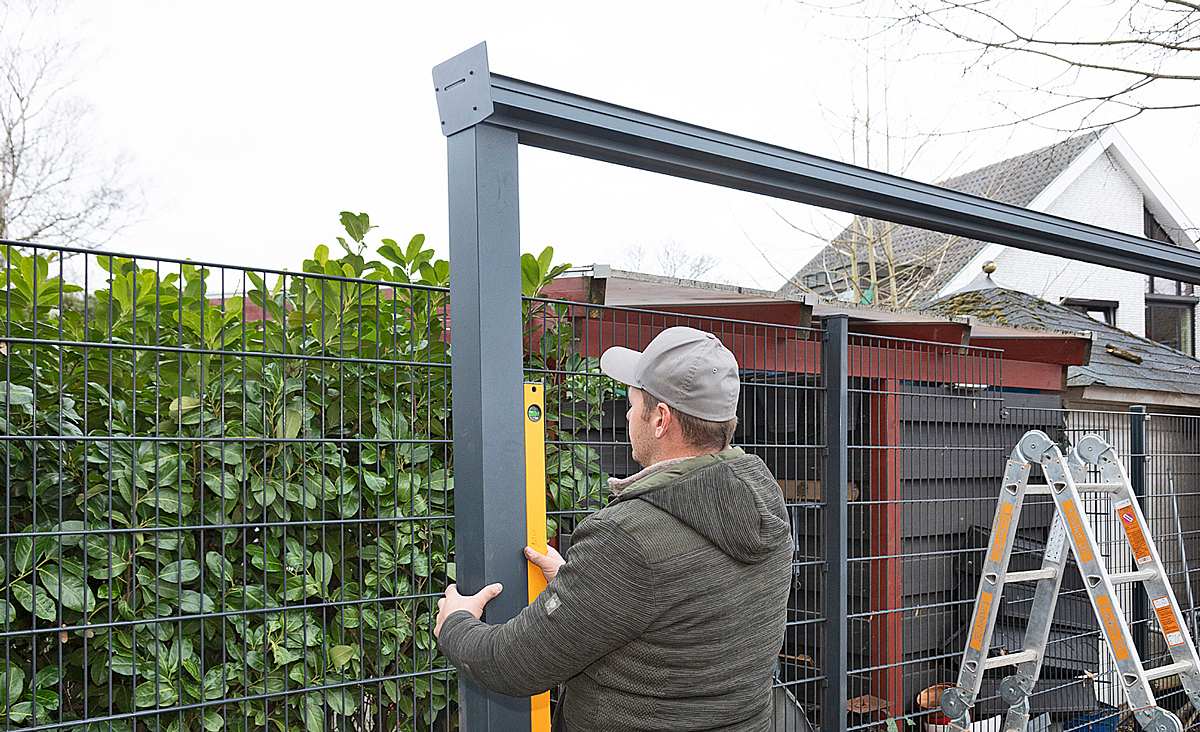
column 1154, row 230
column 1161, row 286
column 1158, row 285
column 1171, row 322
column 1104, row 311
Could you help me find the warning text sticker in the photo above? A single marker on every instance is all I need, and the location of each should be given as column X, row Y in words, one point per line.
column 1133, row 530
column 1168, row 622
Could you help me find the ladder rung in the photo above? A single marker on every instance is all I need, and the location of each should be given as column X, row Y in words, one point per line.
column 1141, row 575
column 1170, row 669
column 1011, row 659
column 1044, row 490
column 1031, row 575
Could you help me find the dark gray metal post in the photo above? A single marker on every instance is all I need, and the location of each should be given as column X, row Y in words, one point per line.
column 1140, row 609
column 835, row 368
column 486, row 368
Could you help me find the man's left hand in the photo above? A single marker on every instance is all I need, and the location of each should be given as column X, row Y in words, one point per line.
column 474, row 604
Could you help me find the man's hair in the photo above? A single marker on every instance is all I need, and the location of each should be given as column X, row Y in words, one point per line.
column 696, row 432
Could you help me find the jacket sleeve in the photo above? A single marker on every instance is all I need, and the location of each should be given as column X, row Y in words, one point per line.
column 600, row 600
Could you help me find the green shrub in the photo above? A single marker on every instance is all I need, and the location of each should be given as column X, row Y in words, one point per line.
column 226, row 506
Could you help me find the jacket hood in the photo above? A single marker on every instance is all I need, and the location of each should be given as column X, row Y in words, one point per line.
column 729, row 498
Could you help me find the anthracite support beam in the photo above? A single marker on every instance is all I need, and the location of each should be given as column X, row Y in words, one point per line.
column 555, row 120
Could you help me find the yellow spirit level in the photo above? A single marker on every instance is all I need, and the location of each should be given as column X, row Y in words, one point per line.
column 535, row 519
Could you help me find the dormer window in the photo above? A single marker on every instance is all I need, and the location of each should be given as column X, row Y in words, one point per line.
column 1104, row 311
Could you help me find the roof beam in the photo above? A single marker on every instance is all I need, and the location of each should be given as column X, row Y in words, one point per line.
column 468, row 94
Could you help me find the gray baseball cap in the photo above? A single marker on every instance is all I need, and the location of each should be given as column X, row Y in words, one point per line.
column 686, row 368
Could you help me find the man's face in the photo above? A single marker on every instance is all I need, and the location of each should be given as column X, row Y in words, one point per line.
column 641, row 431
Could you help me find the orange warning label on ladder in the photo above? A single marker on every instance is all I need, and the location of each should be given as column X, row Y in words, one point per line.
column 1168, row 621
column 1133, row 530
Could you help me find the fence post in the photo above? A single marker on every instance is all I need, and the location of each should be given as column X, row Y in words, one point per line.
column 1140, row 610
column 487, row 379
column 835, row 369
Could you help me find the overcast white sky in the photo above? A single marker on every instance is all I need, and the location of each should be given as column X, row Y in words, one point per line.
column 249, row 126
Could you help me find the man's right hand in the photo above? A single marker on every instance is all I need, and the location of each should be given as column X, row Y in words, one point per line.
column 548, row 562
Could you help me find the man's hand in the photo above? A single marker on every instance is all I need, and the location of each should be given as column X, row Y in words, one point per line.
column 474, row 604
column 548, row 562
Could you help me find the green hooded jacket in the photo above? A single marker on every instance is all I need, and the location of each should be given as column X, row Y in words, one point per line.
column 669, row 613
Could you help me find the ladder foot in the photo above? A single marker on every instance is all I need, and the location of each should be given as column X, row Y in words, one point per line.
column 1017, row 720
column 1158, row 720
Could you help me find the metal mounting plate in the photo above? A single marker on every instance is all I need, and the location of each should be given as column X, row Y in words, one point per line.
column 463, row 86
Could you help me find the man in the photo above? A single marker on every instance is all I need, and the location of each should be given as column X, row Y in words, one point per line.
column 670, row 612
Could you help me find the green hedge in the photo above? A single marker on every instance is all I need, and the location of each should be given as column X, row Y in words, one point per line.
column 272, row 480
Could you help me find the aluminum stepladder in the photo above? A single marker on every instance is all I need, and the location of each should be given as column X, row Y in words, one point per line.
column 1066, row 483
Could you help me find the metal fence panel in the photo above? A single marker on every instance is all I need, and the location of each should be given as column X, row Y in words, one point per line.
column 227, row 495
column 780, row 419
column 926, row 449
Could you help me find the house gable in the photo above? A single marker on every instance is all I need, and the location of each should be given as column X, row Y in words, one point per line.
column 1095, row 177
column 1017, row 181
column 1103, row 194
column 1108, row 149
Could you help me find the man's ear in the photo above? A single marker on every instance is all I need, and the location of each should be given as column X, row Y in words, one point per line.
column 664, row 419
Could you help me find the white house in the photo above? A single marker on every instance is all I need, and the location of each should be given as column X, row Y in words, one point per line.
column 1095, row 178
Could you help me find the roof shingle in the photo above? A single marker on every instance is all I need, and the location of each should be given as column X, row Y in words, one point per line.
column 1161, row 368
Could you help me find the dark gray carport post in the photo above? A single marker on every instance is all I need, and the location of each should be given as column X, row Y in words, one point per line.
column 835, row 493
column 486, row 367
column 1138, row 454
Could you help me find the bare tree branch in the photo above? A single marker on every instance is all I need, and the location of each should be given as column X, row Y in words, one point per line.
column 1145, row 60
column 1027, row 44
column 54, row 186
column 673, row 260
column 873, row 261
